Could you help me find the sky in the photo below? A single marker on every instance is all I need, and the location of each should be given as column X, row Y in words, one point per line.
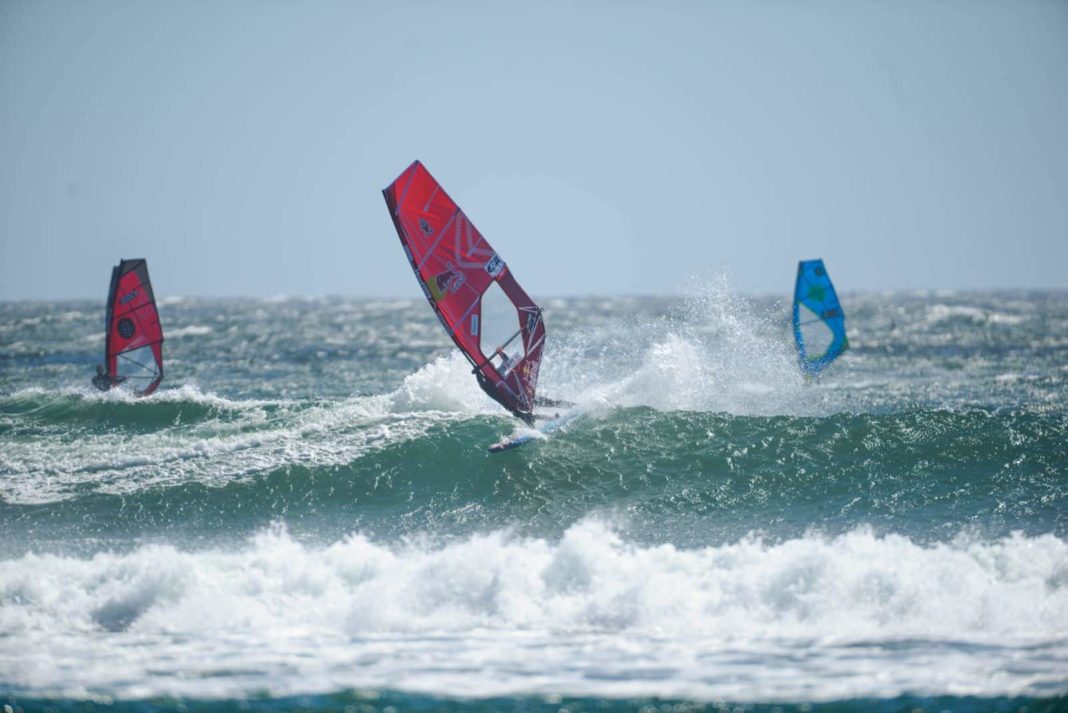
column 601, row 147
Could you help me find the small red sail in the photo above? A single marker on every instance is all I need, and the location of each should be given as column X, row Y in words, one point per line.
column 134, row 343
column 482, row 307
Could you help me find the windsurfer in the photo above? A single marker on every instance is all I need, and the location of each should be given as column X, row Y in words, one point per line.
column 101, row 380
column 105, row 381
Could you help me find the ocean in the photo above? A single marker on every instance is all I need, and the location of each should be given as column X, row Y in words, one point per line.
column 305, row 516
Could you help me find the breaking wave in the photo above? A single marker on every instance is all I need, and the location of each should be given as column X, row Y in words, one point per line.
column 583, row 609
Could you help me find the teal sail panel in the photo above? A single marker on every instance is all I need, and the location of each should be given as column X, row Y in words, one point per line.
column 819, row 323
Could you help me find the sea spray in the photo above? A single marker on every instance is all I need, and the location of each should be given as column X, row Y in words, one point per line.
column 712, row 351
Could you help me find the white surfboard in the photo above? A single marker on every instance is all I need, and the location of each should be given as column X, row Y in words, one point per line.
column 546, row 428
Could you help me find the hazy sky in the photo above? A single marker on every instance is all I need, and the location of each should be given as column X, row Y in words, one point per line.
column 601, row 147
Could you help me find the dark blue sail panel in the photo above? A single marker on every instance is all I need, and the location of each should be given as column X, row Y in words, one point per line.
column 819, row 323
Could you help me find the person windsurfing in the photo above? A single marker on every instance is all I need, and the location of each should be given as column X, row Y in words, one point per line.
column 133, row 337
column 105, row 381
column 476, row 297
column 460, row 276
column 101, row 380
column 491, row 390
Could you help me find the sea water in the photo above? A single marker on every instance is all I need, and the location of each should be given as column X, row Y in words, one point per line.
column 305, row 516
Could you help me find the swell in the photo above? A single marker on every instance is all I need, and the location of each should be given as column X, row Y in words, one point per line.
column 35, row 411
column 682, row 477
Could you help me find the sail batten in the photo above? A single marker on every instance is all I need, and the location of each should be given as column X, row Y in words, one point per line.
column 819, row 323
column 470, row 289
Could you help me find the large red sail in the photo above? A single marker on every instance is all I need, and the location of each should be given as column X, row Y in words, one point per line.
column 485, row 311
column 134, row 343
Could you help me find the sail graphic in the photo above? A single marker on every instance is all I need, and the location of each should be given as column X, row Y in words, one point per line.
column 819, row 323
column 471, row 289
column 134, row 341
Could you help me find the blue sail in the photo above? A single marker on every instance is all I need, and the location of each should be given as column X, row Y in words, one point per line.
column 819, row 323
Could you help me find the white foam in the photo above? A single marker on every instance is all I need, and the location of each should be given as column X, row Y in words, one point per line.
column 590, row 614
column 1008, row 319
column 445, row 384
column 191, row 393
column 941, row 312
column 193, row 330
column 184, row 393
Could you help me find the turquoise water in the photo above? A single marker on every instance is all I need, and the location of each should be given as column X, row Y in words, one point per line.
column 305, row 515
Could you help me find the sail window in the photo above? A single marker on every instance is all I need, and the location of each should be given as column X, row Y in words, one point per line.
column 500, row 339
column 137, row 366
column 817, row 336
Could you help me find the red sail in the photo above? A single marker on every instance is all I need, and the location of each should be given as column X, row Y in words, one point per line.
column 134, row 345
column 485, row 311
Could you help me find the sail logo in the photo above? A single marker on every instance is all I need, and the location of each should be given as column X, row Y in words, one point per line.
column 126, row 328
column 474, row 325
column 532, row 321
column 128, row 296
column 495, row 265
column 426, row 227
column 530, row 371
column 446, row 283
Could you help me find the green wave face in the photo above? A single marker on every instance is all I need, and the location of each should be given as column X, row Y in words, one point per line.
column 681, row 477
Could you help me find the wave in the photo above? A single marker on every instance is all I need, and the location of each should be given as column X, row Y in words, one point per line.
column 192, row 330
column 593, row 612
column 119, row 408
column 117, row 443
column 687, row 477
column 964, row 314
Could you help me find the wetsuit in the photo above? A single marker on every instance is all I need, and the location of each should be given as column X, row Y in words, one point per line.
column 105, row 381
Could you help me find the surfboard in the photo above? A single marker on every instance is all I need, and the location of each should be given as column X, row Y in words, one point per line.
column 547, row 428
column 818, row 319
column 133, row 342
column 471, row 289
